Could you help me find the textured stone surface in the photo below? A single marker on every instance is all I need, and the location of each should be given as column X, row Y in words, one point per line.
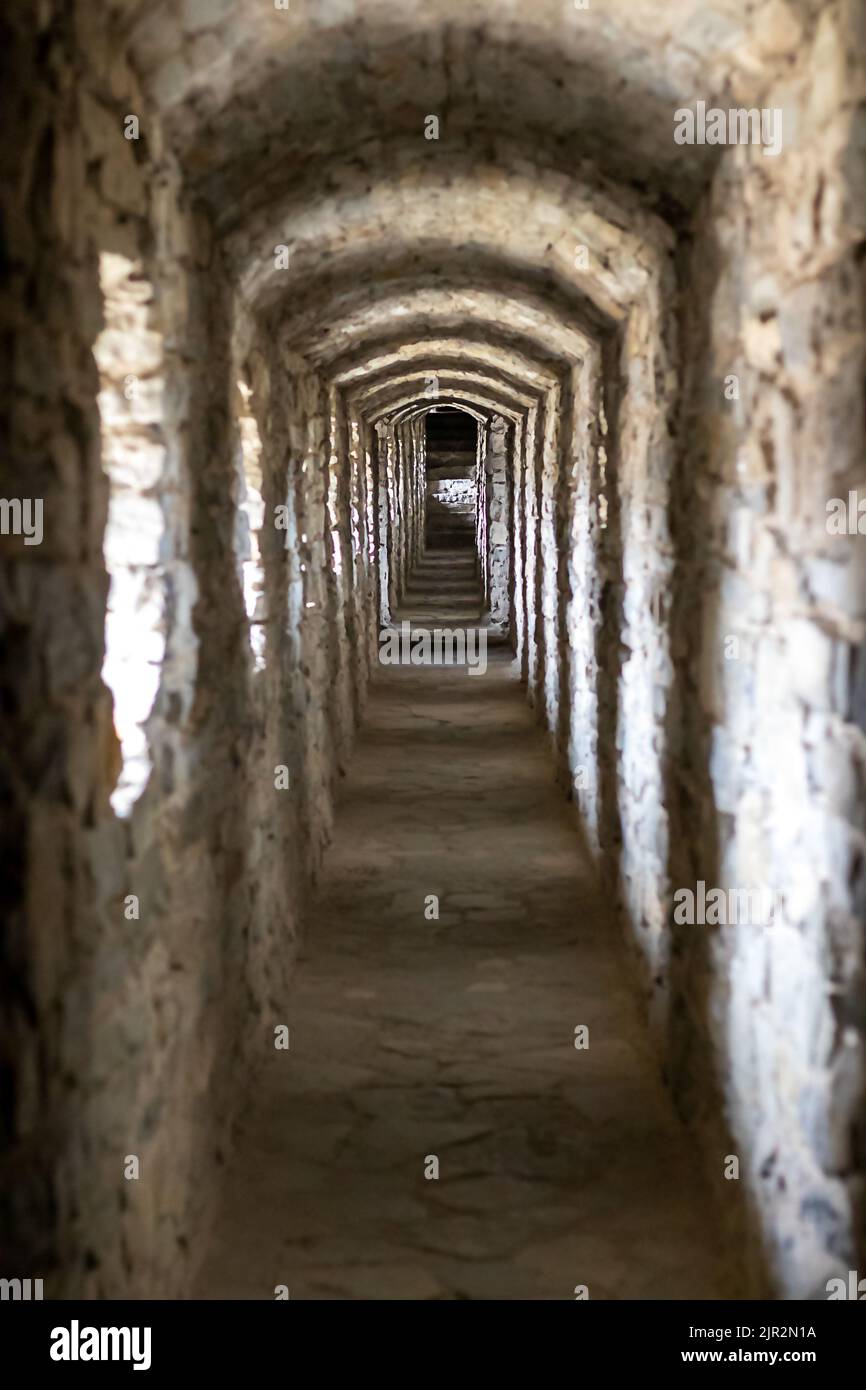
column 455, row 1038
column 768, row 757
column 243, row 314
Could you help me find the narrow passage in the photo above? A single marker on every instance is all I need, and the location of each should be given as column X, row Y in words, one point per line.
column 454, row 1039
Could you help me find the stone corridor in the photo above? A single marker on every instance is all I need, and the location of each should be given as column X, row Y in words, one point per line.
column 454, row 1037
column 433, row 666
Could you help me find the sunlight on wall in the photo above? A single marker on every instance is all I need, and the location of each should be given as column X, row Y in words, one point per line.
column 129, row 356
column 602, row 471
column 249, row 518
column 334, row 506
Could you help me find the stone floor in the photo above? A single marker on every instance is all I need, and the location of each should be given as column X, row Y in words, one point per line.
column 454, row 1038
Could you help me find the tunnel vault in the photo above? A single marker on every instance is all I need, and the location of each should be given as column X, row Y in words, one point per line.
column 662, row 348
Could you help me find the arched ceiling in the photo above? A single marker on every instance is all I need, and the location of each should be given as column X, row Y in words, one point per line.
column 506, row 353
column 245, row 87
column 454, row 367
column 407, row 404
column 425, row 259
column 524, row 234
column 429, row 219
column 377, row 399
column 414, row 410
column 424, row 313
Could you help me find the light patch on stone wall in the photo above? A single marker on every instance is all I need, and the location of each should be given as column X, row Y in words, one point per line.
column 129, row 355
column 249, row 518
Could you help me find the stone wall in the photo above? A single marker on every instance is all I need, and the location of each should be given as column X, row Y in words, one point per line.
column 399, row 485
column 766, row 1021
column 160, row 940
column 724, row 596
column 230, row 287
column 112, row 1037
column 498, row 451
